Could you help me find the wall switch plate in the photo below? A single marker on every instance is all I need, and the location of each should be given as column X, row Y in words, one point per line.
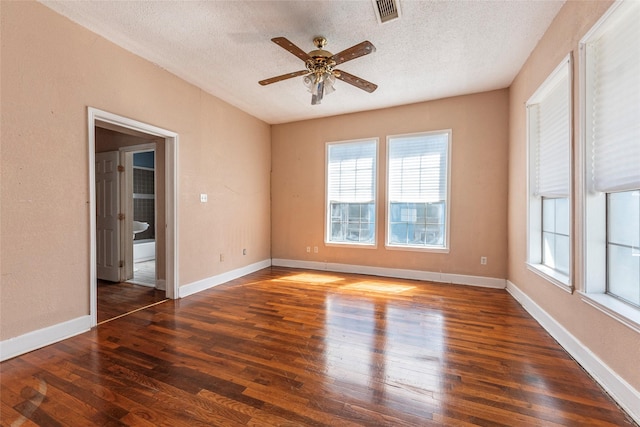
column 308, row 249
column 315, row 249
column 483, row 260
column 203, row 198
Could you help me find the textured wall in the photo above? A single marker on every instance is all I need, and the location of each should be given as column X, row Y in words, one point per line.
column 478, row 202
column 617, row 345
column 52, row 70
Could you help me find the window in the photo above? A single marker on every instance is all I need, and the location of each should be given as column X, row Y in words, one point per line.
column 351, row 189
column 418, row 175
column 611, row 158
column 549, row 140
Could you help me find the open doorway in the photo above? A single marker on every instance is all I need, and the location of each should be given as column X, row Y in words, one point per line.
column 127, row 199
column 133, row 199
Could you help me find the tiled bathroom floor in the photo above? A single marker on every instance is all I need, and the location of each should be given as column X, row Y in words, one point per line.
column 144, row 273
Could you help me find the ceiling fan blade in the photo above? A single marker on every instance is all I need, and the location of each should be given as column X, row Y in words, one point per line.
column 287, row 45
column 354, row 52
column 283, row 77
column 356, row 81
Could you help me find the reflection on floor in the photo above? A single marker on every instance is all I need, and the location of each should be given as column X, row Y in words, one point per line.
column 116, row 299
column 144, row 273
column 310, row 348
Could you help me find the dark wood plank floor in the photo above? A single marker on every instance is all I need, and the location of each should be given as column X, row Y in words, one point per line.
column 116, row 299
column 283, row 347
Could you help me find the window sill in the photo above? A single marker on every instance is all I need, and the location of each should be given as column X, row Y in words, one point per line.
column 352, row 245
column 417, row 248
column 622, row 312
column 560, row 280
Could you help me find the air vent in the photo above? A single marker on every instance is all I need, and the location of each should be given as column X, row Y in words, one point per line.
column 386, row 10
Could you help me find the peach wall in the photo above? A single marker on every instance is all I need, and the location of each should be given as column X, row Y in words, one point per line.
column 52, row 70
column 617, row 345
column 478, row 204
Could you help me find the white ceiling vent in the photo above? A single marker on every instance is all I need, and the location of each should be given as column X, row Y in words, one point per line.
column 386, row 10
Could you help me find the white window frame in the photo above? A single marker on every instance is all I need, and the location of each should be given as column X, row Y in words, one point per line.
column 327, row 207
column 534, row 202
column 445, row 248
column 592, row 221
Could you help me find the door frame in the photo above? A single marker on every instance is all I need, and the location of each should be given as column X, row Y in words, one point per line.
column 171, row 200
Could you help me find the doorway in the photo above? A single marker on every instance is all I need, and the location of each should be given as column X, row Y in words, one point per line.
column 149, row 153
column 127, row 198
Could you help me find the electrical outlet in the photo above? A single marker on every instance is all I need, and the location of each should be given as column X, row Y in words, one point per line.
column 203, row 198
column 308, row 249
column 483, row 260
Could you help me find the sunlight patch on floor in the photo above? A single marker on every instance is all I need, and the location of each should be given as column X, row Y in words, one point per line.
column 310, row 278
column 379, row 287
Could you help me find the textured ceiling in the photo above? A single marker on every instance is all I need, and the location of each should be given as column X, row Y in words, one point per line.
column 436, row 49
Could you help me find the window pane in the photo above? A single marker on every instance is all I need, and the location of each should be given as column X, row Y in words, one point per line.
column 549, row 249
column 623, row 245
column 562, row 254
column 555, row 234
column 549, row 215
column 562, row 216
column 624, row 273
column 624, row 218
column 398, row 233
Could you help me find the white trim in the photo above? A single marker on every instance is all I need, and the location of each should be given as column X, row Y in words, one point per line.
column 171, row 199
column 210, row 282
column 597, row 28
column 613, row 307
column 621, row 391
column 458, row 279
column 34, row 340
column 552, row 80
column 553, row 276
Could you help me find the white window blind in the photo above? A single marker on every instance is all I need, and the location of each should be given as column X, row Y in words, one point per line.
column 550, row 132
column 614, row 112
column 418, row 168
column 351, row 172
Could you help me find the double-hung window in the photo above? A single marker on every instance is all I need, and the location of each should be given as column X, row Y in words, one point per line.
column 611, row 159
column 351, row 192
column 418, row 190
column 549, row 140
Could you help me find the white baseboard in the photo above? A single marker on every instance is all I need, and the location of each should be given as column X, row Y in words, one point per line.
column 210, row 282
column 621, row 391
column 34, row 340
column 458, row 279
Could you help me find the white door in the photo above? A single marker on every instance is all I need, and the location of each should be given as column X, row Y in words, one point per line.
column 107, row 221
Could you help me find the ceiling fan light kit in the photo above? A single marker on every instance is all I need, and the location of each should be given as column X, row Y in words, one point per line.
column 320, row 75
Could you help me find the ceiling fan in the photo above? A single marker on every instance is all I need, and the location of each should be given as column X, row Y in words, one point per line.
column 320, row 74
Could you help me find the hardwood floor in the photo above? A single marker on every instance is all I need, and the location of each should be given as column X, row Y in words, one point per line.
column 284, row 347
column 116, row 299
